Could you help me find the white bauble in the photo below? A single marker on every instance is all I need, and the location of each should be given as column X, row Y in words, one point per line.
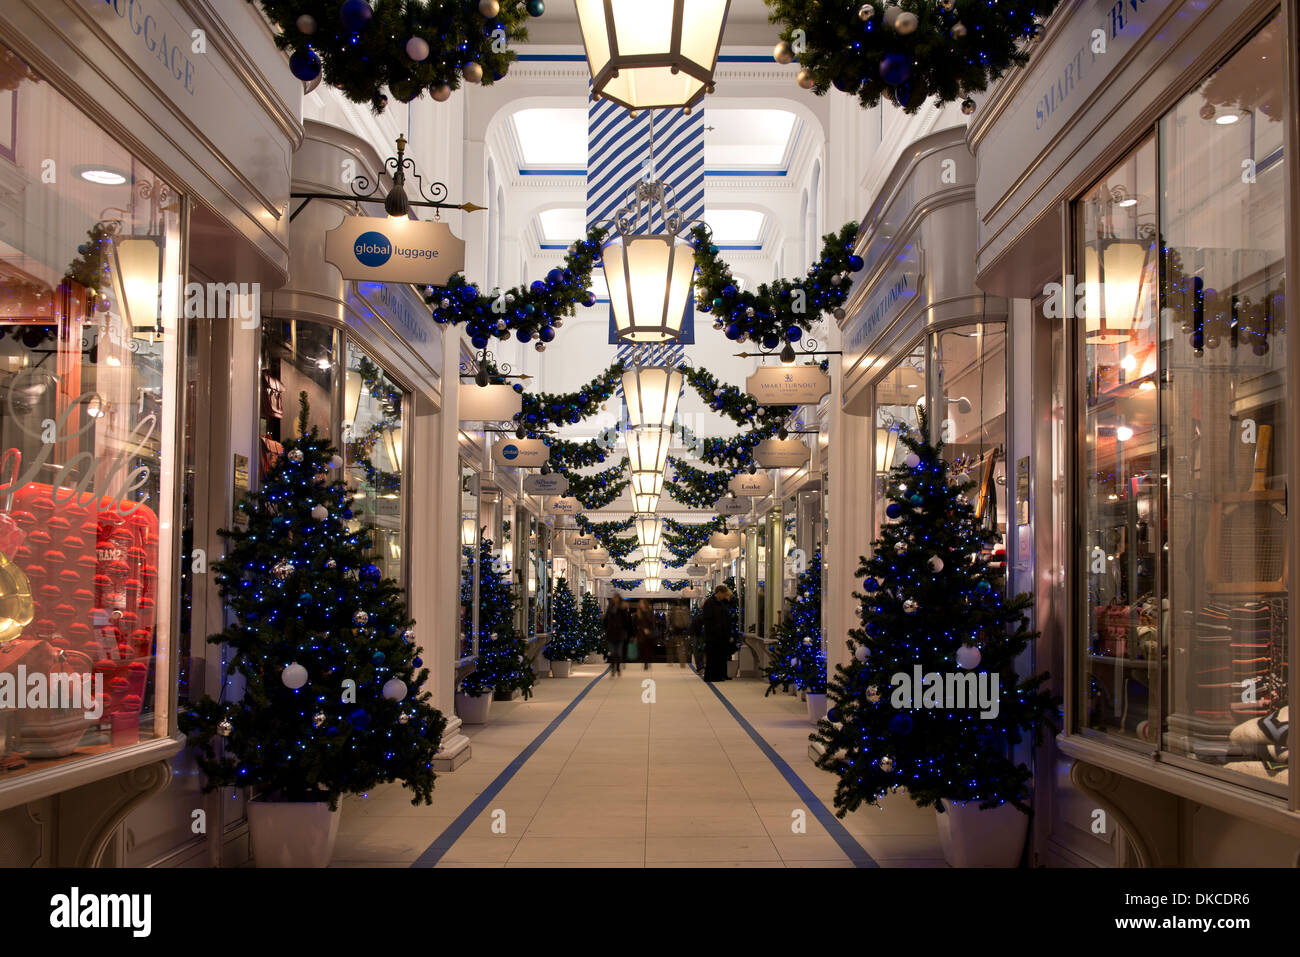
column 417, row 48
column 861, row 652
column 936, row 564
column 320, row 513
column 905, row 23
column 294, row 676
column 394, row 689
column 968, row 657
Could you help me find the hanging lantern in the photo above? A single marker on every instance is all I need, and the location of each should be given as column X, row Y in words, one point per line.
column 647, row 450
column 1114, row 274
column 652, row 583
column 646, row 504
column 652, row 53
column 647, row 483
column 647, row 530
column 652, row 552
column 468, row 530
column 652, row 393
column 651, row 567
column 649, row 273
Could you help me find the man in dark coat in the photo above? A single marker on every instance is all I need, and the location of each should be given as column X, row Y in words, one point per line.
column 616, row 633
column 715, row 622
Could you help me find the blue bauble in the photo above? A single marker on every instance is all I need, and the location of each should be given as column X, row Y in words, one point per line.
column 377, row 657
column 728, row 291
column 355, row 14
column 538, row 287
column 479, row 342
column 590, row 299
column 893, row 510
column 873, row 629
column 371, row 572
column 793, row 334
column 523, row 335
column 733, row 331
column 536, row 8
column 833, row 715
column 870, row 585
column 706, row 307
column 771, row 342
column 717, row 303
column 305, row 598
column 359, row 719
column 900, row 723
column 916, row 500
column 895, row 68
column 417, row 662
column 846, row 84
column 554, row 276
column 983, row 587
column 304, row 64
column 856, row 263
column 547, row 334
column 518, row 387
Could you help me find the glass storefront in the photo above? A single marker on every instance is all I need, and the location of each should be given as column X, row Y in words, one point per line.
column 373, row 427
column 90, row 298
column 1182, row 463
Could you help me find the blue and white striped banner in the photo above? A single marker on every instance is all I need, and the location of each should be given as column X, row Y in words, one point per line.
column 618, row 157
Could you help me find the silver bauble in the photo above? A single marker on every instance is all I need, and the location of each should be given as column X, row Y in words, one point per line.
column 441, row 93
column 886, row 764
column 905, row 23
column 968, row 106
column 225, row 727
column 318, row 718
column 866, row 11
column 782, row 53
column 360, row 618
column 909, row 607
column 805, row 80
column 295, row 455
column 489, row 8
column 282, row 569
column 306, row 24
column 873, row 694
column 473, row 72
column 959, row 30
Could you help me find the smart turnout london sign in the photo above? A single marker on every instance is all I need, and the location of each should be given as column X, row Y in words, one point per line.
column 379, row 249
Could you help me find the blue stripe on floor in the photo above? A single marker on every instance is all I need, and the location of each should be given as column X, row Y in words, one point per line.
column 435, row 851
column 851, row 848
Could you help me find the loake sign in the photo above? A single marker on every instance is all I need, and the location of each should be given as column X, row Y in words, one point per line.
column 751, row 486
column 563, row 505
column 781, row 453
column 379, row 249
column 553, row 484
column 521, row 453
column 488, row 403
column 788, row 385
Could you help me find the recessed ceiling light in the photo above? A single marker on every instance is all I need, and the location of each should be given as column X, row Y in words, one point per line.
column 101, row 175
column 1227, row 119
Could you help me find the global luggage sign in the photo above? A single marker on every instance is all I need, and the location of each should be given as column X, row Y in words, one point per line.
column 521, row 453
column 379, row 249
column 788, row 385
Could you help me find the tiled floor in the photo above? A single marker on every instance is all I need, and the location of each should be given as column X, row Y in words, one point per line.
column 628, row 782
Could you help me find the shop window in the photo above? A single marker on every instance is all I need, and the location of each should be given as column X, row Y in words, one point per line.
column 469, row 540
column 1183, row 463
column 900, row 395
column 373, row 414
column 90, row 297
column 970, row 413
column 297, row 357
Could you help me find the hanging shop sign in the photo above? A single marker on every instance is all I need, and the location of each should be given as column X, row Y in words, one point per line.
column 490, row 403
column 751, row 486
column 380, row 249
column 598, row 555
column 724, row 540
column 788, row 385
column 553, row 484
column 563, row 504
column 781, row 454
column 696, row 571
column 581, row 542
column 521, row 453
column 734, row 506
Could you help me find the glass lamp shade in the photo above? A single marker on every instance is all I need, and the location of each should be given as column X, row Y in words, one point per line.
column 652, row 583
column 647, row 450
column 645, row 504
column 652, row 552
column 652, row 393
column 652, row 53
column 648, row 483
column 468, row 530
column 651, row 567
column 647, row 530
column 137, row 278
column 1114, row 270
column 886, row 444
column 649, row 278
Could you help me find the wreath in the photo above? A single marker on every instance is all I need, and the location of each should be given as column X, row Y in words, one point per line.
column 536, row 310
column 780, row 311
column 907, row 50
column 406, row 46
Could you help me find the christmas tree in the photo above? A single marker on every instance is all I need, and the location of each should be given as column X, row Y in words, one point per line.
column 593, row 625
column 331, row 702
column 930, row 700
column 566, row 642
column 798, row 658
column 502, row 665
column 733, row 608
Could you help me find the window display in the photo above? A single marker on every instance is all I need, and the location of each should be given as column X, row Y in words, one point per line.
column 900, row 394
column 297, row 357
column 372, row 427
column 90, row 296
column 1186, row 438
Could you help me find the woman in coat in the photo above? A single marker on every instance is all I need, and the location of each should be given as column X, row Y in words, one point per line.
column 715, row 621
column 645, row 630
column 616, row 633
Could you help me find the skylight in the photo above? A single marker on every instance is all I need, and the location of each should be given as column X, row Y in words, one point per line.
column 747, row 139
column 563, row 225
column 735, row 225
column 552, row 137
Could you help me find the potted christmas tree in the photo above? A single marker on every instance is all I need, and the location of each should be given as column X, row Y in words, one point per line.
column 930, row 700
column 737, row 634
column 325, row 653
column 566, row 644
column 593, row 627
column 798, row 659
column 501, row 665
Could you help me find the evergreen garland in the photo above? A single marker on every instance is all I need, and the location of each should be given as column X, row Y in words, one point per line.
column 502, row 663
column 90, row 267
column 534, row 311
column 567, row 456
column 307, row 602
column 601, row 489
column 361, row 448
column 932, row 601
column 604, row 532
column 626, row 584
column 906, row 50
column 696, row 488
column 546, row 409
column 364, row 49
column 781, row 311
column 798, row 658
column 733, row 402
column 684, row 539
column 678, row 584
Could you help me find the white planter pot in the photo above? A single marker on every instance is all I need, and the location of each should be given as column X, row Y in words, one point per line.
column 733, row 668
column 561, row 669
column 816, row 706
column 473, row 709
column 542, row 666
column 974, row 838
column 292, row 834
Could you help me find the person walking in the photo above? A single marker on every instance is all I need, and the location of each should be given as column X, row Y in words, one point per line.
column 616, row 633
column 715, row 622
column 680, row 623
column 644, row 625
